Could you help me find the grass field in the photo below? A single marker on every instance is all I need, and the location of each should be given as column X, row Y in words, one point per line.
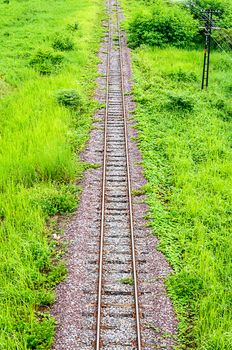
column 185, row 139
column 47, row 71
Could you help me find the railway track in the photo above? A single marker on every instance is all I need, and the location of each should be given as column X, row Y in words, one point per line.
column 118, row 314
column 99, row 306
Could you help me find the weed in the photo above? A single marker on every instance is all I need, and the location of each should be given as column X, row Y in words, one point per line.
column 46, row 62
column 182, row 76
column 73, row 26
column 127, row 280
column 140, row 191
column 41, row 332
column 54, row 200
column 62, row 42
column 179, row 102
column 69, row 98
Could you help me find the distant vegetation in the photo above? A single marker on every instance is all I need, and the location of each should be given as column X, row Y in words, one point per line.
column 185, row 139
column 177, row 23
column 163, row 25
column 47, row 70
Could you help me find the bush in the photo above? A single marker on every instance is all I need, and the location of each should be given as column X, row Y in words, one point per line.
column 41, row 334
column 187, row 286
column 182, row 76
column 164, row 25
column 46, row 62
column 62, row 43
column 180, row 102
column 69, row 98
column 53, row 201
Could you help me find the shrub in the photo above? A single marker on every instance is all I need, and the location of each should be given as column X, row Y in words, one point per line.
column 69, row 98
column 164, row 25
column 53, row 201
column 180, row 102
column 41, row 332
column 181, row 76
column 46, row 61
column 62, row 43
column 187, row 286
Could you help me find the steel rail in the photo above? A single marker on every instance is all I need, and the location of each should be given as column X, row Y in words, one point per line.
column 103, row 193
column 99, row 298
column 139, row 341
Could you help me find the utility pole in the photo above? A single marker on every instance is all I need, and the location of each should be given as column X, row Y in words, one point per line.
column 209, row 25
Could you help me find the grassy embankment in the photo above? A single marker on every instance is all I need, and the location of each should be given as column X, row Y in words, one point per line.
column 185, row 139
column 46, row 46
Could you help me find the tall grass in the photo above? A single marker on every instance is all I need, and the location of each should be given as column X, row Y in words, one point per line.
column 40, row 141
column 185, row 140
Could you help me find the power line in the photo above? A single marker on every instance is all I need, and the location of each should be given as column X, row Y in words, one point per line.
column 209, row 25
column 230, row 57
column 227, row 37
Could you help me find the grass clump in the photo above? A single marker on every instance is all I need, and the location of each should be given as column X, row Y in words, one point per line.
column 46, row 61
column 182, row 76
column 180, row 102
column 4, row 88
column 54, row 200
column 62, row 42
column 69, row 98
column 41, row 334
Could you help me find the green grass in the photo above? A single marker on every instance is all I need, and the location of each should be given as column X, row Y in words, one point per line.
column 40, row 142
column 185, row 139
column 187, row 160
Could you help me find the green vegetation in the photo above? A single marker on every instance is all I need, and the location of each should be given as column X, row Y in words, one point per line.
column 162, row 23
column 46, row 61
column 185, row 140
column 224, row 6
column 63, row 43
column 127, row 280
column 223, row 18
column 69, row 98
column 46, row 87
column 161, row 26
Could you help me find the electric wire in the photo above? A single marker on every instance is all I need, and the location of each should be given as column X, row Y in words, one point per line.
column 229, row 57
